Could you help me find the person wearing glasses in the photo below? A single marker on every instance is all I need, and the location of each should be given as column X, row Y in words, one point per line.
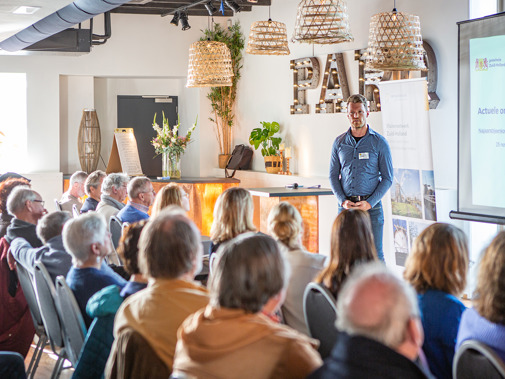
column 141, row 196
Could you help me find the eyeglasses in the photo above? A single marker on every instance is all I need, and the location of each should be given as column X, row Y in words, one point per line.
column 42, row 202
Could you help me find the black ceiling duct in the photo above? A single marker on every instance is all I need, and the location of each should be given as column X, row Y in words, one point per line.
column 75, row 13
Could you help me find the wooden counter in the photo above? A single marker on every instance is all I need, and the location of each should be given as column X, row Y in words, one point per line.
column 306, row 200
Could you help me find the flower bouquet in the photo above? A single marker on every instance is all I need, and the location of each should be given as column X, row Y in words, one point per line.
column 171, row 146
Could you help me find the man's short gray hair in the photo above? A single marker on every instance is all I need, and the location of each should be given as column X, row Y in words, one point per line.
column 93, row 180
column 78, row 177
column 115, row 180
column 374, row 303
column 81, row 232
column 18, row 197
column 51, row 225
column 137, row 186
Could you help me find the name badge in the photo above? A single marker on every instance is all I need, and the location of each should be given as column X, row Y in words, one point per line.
column 363, row 156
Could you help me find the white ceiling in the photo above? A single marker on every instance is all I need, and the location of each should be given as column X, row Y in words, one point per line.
column 11, row 23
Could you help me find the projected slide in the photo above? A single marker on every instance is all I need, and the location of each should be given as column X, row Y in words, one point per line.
column 487, row 99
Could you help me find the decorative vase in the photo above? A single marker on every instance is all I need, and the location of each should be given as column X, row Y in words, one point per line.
column 171, row 165
column 273, row 164
column 89, row 141
column 223, row 160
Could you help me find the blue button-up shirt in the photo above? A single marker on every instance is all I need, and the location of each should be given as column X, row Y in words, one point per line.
column 361, row 168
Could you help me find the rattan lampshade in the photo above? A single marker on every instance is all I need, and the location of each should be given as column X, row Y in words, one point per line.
column 209, row 65
column 322, row 22
column 395, row 42
column 268, row 38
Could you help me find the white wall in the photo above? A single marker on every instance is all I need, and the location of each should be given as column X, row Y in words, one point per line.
column 147, row 54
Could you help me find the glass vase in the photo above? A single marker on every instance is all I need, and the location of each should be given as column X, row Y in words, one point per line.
column 171, row 165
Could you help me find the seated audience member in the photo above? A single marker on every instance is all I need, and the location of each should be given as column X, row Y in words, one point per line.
column 141, row 196
column 74, row 192
column 351, row 244
column 6, row 187
column 87, row 240
column 485, row 322
column 437, row 268
column 231, row 338
column 27, row 207
column 52, row 254
column 381, row 333
column 170, row 254
column 16, row 325
column 233, row 215
column 93, row 188
column 103, row 305
column 113, row 194
column 171, row 194
column 285, row 225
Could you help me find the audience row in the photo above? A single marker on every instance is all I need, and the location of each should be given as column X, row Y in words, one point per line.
column 249, row 322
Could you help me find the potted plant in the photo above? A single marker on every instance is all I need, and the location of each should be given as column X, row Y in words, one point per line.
column 222, row 99
column 265, row 137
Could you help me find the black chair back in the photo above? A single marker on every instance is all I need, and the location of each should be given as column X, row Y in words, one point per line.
column 58, row 205
column 75, row 211
column 477, row 360
column 320, row 314
column 74, row 329
column 115, row 228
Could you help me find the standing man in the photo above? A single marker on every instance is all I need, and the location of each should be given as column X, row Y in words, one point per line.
column 361, row 168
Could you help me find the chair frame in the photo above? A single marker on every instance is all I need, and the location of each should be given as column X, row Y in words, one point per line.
column 483, row 350
column 312, row 286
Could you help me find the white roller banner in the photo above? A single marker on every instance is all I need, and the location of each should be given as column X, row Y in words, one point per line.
column 406, row 126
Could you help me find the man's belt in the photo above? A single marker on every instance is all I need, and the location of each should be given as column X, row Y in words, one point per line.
column 356, row 199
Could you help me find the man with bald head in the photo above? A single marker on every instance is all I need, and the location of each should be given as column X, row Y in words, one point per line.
column 380, row 331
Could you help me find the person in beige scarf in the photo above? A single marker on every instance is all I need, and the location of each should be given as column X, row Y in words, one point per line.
column 231, row 338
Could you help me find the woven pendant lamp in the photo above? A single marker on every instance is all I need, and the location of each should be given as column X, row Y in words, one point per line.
column 322, row 22
column 209, row 65
column 395, row 43
column 268, row 38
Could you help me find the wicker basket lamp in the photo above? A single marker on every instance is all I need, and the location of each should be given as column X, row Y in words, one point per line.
column 209, row 65
column 268, row 38
column 89, row 141
column 395, row 42
column 322, row 22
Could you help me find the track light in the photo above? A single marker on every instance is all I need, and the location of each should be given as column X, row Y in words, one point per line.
column 232, row 5
column 184, row 21
column 210, row 8
column 175, row 19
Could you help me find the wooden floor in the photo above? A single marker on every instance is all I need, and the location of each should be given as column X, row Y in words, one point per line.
column 47, row 363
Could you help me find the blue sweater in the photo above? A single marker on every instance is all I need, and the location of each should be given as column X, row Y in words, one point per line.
column 130, row 214
column 475, row 327
column 85, row 282
column 440, row 315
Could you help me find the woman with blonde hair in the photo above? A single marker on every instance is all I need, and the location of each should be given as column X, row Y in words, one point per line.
column 171, row 194
column 437, row 268
column 485, row 322
column 352, row 243
column 286, row 226
column 233, row 215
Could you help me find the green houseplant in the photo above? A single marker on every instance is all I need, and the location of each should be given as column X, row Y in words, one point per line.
column 265, row 137
column 222, row 99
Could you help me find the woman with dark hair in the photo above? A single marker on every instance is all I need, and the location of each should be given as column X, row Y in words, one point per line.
column 437, row 268
column 231, row 338
column 6, row 188
column 485, row 322
column 351, row 244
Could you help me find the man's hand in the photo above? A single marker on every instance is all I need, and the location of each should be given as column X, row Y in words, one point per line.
column 347, row 204
column 11, row 261
column 363, row 205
